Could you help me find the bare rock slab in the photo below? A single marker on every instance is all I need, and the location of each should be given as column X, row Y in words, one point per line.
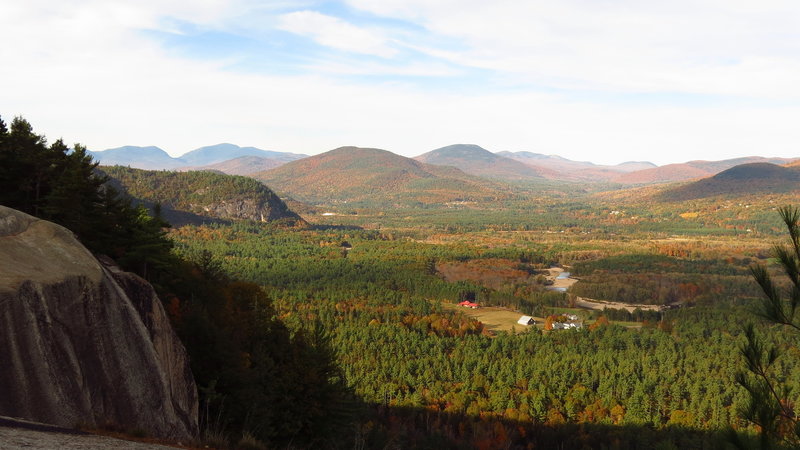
column 82, row 343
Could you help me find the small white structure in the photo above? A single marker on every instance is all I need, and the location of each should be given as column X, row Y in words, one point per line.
column 526, row 320
column 567, row 325
column 572, row 317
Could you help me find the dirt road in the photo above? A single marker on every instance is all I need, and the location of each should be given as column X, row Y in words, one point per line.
column 600, row 305
column 559, row 281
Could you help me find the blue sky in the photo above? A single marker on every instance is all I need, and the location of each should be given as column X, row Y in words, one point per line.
column 605, row 81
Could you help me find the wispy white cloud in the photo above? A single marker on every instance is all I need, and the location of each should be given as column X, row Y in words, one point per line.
column 336, row 33
column 375, row 69
column 700, row 46
column 85, row 71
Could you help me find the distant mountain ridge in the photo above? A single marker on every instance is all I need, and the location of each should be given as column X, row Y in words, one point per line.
column 348, row 174
column 471, row 159
column 692, row 170
column 243, row 165
column 752, row 178
column 154, row 158
column 663, row 174
column 555, row 167
column 223, row 152
column 149, row 158
column 559, row 163
column 475, row 160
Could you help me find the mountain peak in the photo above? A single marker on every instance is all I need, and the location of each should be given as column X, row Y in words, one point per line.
column 476, row 160
column 457, row 152
column 149, row 150
column 374, row 175
column 751, row 178
column 213, row 154
column 150, row 157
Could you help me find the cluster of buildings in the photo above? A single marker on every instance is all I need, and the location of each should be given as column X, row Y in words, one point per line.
column 565, row 322
column 557, row 322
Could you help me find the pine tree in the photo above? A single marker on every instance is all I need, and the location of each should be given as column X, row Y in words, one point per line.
column 768, row 405
column 25, row 163
column 73, row 190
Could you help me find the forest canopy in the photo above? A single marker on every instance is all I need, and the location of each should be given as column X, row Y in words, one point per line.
column 346, row 334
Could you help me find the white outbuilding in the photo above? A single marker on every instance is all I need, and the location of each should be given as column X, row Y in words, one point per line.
column 526, row 320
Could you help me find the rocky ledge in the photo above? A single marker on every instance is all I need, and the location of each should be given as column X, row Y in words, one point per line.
column 84, row 343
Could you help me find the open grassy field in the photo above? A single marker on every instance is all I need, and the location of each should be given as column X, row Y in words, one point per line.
column 497, row 319
column 503, row 319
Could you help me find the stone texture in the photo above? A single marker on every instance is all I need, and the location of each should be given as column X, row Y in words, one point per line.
column 83, row 343
column 33, row 436
column 265, row 208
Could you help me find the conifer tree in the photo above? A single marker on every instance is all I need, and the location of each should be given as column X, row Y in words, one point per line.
column 769, row 406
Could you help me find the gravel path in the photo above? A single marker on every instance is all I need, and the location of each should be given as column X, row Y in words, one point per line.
column 20, row 434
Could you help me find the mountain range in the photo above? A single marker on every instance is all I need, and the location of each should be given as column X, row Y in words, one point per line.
column 469, row 159
column 203, row 158
column 353, row 174
column 557, row 168
column 243, row 165
column 749, row 178
column 150, row 158
column 691, row 170
column 478, row 161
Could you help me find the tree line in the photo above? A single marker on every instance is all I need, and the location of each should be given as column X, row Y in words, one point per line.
column 257, row 378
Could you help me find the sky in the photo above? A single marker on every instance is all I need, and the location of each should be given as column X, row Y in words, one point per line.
column 605, row 81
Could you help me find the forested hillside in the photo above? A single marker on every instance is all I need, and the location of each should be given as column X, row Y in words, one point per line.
column 348, row 334
column 202, row 194
column 259, row 383
column 754, row 178
column 435, row 377
column 243, row 165
column 60, row 184
column 377, row 177
column 478, row 161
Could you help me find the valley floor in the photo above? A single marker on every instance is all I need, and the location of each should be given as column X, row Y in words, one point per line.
column 495, row 318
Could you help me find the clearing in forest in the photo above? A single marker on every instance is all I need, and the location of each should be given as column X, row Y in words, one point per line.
column 560, row 282
column 495, row 318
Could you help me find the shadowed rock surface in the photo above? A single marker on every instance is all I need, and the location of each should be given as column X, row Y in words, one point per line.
column 83, row 342
column 202, row 197
column 15, row 433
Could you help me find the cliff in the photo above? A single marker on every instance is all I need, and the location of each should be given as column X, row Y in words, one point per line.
column 84, row 343
column 202, row 197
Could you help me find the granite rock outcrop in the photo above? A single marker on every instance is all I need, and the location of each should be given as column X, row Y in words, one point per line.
column 84, row 343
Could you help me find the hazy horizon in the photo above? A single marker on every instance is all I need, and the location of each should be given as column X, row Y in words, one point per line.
column 179, row 155
column 608, row 82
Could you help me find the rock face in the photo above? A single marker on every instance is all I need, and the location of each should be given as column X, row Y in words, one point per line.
column 202, row 197
column 84, row 343
column 265, row 209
